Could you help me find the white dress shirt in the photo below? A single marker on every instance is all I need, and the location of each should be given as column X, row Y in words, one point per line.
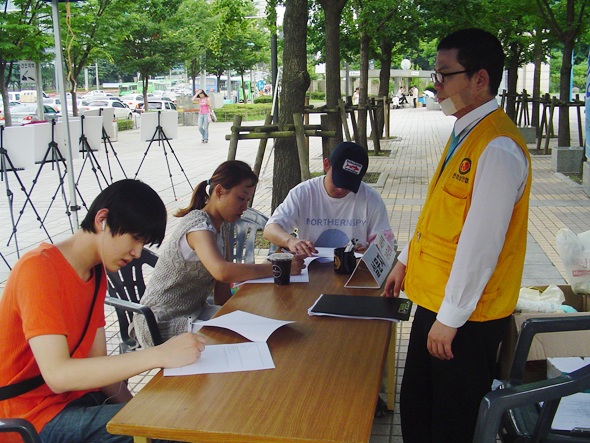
column 498, row 185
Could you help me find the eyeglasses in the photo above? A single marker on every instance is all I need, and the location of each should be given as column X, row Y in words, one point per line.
column 440, row 77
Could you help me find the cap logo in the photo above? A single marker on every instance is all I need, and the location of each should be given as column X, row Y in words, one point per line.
column 352, row 166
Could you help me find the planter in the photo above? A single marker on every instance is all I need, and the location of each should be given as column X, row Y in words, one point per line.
column 529, row 133
column 567, row 160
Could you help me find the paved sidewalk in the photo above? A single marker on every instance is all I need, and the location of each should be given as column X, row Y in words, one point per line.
column 418, row 140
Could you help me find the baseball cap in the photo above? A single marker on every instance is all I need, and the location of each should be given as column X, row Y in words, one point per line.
column 349, row 163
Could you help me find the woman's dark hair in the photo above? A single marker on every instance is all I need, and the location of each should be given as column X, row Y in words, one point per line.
column 134, row 208
column 477, row 49
column 229, row 174
column 202, row 92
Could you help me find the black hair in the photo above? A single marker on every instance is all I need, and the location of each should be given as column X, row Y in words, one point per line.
column 204, row 93
column 477, row 49
column 134, row 208
column 229, row 174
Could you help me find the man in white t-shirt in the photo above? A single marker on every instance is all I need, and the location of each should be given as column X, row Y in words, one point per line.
column 332, row 209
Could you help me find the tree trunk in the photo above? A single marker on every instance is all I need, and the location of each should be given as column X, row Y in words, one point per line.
column 332, row 10
column 538, row 60
column 295, row 82
column 364, row 89
column 385, row 59
column 4, row 93
column 563, row 133
column 512, row 80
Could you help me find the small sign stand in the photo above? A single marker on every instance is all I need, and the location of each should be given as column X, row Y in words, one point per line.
column 374, row 266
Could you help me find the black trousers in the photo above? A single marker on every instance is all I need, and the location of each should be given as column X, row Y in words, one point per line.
column 439, row 399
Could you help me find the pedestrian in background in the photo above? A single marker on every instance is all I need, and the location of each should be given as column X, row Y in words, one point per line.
column 204, row 110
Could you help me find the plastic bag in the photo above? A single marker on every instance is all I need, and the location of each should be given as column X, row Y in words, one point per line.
column 574, row 251
column 532, row 300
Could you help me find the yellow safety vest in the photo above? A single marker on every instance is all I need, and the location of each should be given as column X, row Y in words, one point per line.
column 433, row 247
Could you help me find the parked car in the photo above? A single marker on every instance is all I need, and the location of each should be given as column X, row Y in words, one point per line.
column 54, row 102
column 158, row 105
column 121, row 109
column 27, row 113
column 132, row 100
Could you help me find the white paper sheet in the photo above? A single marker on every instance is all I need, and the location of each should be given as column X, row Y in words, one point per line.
column 300, row 278
column 573, row 412
column 228, row 358
column 251, row 326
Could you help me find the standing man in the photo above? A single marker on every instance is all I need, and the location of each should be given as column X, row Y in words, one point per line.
column 463, row 267
column 415, row 95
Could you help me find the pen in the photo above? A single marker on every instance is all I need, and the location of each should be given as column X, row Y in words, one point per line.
column 190, row 324
column 581, row 431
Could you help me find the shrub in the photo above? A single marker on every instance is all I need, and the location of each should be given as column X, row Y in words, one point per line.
column 124, row 124
column 317, row 95
column 263, row 99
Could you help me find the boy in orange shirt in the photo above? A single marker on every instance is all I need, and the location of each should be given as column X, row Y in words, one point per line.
column 52, row 316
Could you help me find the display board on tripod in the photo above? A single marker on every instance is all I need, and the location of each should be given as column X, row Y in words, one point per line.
column 93, row 132
column 19, row 142
column 149, row 123
column 41, row 138
column 75, row 133
column 108, row 115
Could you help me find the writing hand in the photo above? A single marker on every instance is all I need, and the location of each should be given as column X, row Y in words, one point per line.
column 182, row 350
column 297, row 246
column 394, row 282
column 440, row 339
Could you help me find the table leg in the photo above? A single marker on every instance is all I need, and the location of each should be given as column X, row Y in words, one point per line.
column 142, row 440
column 391, row 369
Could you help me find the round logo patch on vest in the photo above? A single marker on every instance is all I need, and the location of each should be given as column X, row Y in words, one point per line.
column 465, row 166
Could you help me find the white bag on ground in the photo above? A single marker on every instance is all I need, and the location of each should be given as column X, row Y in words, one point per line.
column 574, row 251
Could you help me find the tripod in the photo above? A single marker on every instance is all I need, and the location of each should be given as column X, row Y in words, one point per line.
column 6, row 165
column 160, row 136
column 106, row 139
column 88, row 155
column 53, row 156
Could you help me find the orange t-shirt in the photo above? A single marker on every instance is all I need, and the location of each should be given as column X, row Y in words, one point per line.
column 43, row 296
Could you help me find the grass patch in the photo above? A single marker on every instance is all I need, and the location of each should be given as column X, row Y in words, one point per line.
column 576, row 178
column 371, row 177
column 382, row 153
column 260, row 242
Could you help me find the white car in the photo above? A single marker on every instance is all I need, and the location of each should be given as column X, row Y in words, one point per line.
column 121, row 109
column 158, row 105
column 132, row 100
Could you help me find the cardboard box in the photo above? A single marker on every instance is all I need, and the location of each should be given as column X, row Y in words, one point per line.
column 558, row 344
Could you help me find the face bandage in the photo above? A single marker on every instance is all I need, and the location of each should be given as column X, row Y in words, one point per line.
column 452, row 104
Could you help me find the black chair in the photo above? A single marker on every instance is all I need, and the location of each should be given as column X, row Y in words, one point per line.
column 21, row 426
column 524, row 412
column 242, row 236
column 126, row 287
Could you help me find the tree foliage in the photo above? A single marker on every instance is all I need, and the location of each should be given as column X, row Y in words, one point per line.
column 153, row 40
column 23, row 36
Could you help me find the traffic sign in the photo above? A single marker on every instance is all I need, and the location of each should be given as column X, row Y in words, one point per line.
column 28, row 73
column 260, row 85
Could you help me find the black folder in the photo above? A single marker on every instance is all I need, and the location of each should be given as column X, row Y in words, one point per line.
column 358, row 306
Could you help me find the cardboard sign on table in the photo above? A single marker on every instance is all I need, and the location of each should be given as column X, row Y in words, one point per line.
column 374, row 266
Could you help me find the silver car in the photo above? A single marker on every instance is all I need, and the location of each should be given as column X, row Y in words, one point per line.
column 27, row 113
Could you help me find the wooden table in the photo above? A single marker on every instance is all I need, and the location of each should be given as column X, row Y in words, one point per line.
column 324, row 388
